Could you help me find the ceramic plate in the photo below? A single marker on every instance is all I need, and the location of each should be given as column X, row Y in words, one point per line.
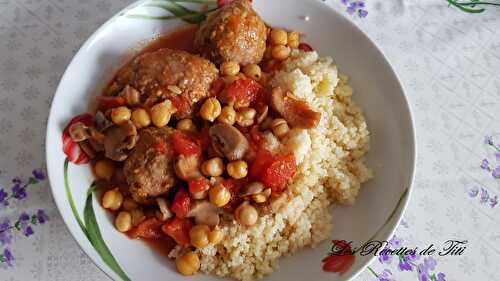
column 381, row 201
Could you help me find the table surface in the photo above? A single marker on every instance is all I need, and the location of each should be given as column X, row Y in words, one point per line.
column 447, row 60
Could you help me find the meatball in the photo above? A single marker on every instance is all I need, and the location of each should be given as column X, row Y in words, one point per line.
column 149, row 169
column 169, row 74
column 233, row 33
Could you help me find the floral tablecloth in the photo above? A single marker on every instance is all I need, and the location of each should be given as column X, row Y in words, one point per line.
column 447, row 59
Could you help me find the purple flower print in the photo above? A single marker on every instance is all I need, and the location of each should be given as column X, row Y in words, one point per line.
column 485, row 165
column 362, row 13
column 385, row 275
column 6, row 258
column 385, row 258
column 473, row 192
column 38, row 174
column 488, row 140
column 496, row 173
column 355, row 7
column 497, row 156
column 3, row 198
column 24, row 220
column 484, row 196
column 430, row 263
column 405, row 262
column 17, row 180
column 41, row 216
column 19, row 192
column 440, row 277
column 5, row 232
column 395, row 241
column 494, row 201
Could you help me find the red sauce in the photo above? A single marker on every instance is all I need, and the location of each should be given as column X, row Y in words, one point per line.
column 162, row 246
column 181, row 39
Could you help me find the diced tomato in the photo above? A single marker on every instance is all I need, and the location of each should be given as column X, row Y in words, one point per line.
column 148, row 229
column 262, row 161
column 161, row 147
column 305, row 47
column 181, row 104
column 216, row 87
column 185, row 144
column 261, row 99
column 181, row 204
column 242, row 92
column 178, row 229
column 198, row 185
column 108, row 102
column 281, row 170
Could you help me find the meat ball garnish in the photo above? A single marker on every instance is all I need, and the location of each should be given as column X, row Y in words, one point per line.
column 176, row 75
column 234, row 33
column 149, row 168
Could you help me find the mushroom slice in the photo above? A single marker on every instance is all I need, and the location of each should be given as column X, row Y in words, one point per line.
column 252, row 188
column 262, row 114
column 79, row 132
column 228, row 141
column 101, row 122
column 119, row 139
column 188, row 167
column 204, row 212
column 296, row 112
column 165, row 212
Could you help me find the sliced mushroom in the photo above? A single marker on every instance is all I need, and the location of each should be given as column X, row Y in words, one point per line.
column 165, row 212
column 262, row 114
column 252, row 188
column 228, row 141
column 101, row 122
column 87, row 148
column 119, row 140
column 79, row 132
column 296, row 112
column 204, row 213
column 188, row 167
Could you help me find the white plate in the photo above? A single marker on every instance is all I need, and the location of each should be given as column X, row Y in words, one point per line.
column 380, row 204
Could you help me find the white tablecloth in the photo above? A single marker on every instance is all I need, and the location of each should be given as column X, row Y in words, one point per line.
column 448, row 62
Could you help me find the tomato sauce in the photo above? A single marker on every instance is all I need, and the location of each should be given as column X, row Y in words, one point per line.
column 181, row 39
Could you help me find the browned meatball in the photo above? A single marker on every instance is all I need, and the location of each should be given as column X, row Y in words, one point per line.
column 158, row 75
column 149, row 168
column 233, row 33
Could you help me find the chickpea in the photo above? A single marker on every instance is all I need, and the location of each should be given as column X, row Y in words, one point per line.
column 215, row 236
column 104, row 169
column 293, row 39
column 187, row 125
column 140, row 118
column 227, row 115
column 213, row 167
column 253, row 71
column 112, row 199
column 241, row 76
column 199, row 195
column 262, row 197
column 280, row 52
column 278, row 37
column 268, row 54
column 188, row 264
column 279, row 127
column 199, row 235
column 237, row 169
column 229, row 68
column 129, row 204
column 161, row 113
column 123, row 221
column 246, row 214
column 219, row 195
column 211, row 109
column 120, row 114
column 137, row 216
column 245, row 117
